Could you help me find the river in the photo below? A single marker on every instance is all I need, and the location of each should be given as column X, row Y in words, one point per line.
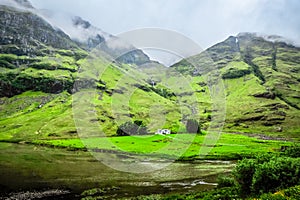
column 35, row 168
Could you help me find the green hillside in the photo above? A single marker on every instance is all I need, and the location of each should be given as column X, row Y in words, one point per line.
column 41, row 76
column 37, row 97
column 37, row 85
column 261, row 81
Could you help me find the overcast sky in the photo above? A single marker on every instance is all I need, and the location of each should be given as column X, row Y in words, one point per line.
column 204, row 21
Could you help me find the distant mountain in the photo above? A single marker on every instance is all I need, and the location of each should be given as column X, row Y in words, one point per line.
column 88, row 37
column 80, row 31
column 262, row 79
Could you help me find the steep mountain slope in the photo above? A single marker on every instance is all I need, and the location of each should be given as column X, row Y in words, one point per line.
column 34, row 55
column 82, row 32
column 30, row 44
column 261, row 78
column 23, row 33
column 41, row 67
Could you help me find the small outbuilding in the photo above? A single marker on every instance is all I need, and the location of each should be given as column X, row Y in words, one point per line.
column 163, row 132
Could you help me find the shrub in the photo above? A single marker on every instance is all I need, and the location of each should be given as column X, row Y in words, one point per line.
column 225, row 181
column 132, row 128
column 164, row 92
column 49, row 65
column 293, row 151
column 8, row 57
column 243, row 174
column 292, row 192
column 278, row 173
column 272, row 197
column 142, row 130
column 193, row 126
column 235, row 73
column 4, row 63
column 266, row 174
column 126, row 129
column 220, row 194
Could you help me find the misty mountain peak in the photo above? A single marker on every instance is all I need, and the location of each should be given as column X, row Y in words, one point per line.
column 24, row 3
column 247, row 36
column 232, row 41
column 78, row 21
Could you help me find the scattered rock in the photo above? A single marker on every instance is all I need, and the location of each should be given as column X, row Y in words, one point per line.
column 278, row 129
column 267, row 95
column 119, row 91
column 36, row 194
column 276, row 106
column 202, row 90
column 280, row 113
column 251, row 118
column 202, row 84
column 271, row 123
column 275, row 118
column 94, row 120
column 72, row 132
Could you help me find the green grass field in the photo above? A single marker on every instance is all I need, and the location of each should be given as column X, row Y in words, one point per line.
column 180, row 146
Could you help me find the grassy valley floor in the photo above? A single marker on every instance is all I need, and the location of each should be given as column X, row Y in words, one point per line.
column 179, row 146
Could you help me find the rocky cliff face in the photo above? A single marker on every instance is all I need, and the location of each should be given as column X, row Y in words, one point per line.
column 24, row 33
column 33, row 54
column 90, row 36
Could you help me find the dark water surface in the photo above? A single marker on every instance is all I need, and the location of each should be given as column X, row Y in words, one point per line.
column 31, row 168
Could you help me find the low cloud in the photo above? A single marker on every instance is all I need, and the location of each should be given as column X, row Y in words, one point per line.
column 205, row 21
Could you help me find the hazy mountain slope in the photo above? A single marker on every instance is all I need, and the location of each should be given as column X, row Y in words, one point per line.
column 261, row 78
column 24, row 33
column 88, row 37
column 34, row 56
column 41, row 67
column 30, row 44
column 82, row 32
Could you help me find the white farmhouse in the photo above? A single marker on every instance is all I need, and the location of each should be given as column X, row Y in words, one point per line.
column 163, row 132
